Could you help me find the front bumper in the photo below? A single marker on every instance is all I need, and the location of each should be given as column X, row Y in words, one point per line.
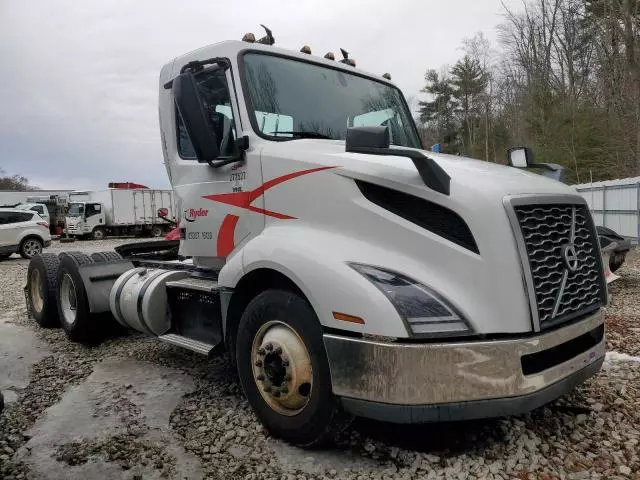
column 409, row 382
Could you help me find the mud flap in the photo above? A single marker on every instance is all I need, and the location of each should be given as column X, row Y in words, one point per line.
column 98, row 278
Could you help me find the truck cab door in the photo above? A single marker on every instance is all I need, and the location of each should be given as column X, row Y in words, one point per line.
column 94, row 216
column 216, row 216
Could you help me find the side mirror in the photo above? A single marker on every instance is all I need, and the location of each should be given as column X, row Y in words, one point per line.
column 163, row 213
column 367, row 137
column 191, row 108
column 520, row 157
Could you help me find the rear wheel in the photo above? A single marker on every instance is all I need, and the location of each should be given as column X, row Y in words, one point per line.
column 284, row 370
column 30, row 247
column 105, row 256
column 157, row 231
column 42, row 288
column 73, row 305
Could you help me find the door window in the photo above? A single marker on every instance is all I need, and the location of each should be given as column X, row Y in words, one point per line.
column 215, row 94
column 93, row 209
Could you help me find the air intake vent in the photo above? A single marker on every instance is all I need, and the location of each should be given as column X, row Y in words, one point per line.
column 428, row 215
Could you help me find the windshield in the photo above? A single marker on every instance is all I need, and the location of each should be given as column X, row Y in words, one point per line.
column 76, row 210
column 290, row 98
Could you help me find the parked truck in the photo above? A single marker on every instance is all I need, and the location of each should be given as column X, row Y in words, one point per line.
column 119, row 211
column 347, row 271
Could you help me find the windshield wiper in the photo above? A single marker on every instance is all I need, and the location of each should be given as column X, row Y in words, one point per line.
column 301, row 134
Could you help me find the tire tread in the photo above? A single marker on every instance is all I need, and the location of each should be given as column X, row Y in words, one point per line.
column 51, row 264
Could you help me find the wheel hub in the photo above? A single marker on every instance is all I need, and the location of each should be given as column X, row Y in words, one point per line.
column 282, row 368
column 37, row 298
column 68, row 299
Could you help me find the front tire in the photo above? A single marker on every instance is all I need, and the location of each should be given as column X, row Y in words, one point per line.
column 284, row 371
column 30, row 247
column 42, row 278
column 98, row 233
column 73, row 304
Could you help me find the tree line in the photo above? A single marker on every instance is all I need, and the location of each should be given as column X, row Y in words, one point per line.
column 14, row 182
column 563, row 79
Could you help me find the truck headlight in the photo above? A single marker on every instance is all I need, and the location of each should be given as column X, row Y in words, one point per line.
column 425, row 311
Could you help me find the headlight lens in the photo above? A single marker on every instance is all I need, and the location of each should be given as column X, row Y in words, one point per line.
column 424, row 310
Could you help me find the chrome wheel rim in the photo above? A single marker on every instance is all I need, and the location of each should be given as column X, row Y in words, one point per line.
column 68, row 299
column 282, row 368
column 31, row 248
column 35, row 291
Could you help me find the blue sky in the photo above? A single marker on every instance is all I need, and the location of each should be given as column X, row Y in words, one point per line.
column 79, row 79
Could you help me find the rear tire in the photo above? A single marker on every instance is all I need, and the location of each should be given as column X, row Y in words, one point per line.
column 99, row 257
column 72, row 302
column 157, row 231
column 30, row 247
column 289, row 383
column 42, row 287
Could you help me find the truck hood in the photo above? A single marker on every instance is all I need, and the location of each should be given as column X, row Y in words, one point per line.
column 469, row 177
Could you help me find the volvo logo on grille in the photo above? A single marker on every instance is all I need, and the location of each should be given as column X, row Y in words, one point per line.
column 570, row 257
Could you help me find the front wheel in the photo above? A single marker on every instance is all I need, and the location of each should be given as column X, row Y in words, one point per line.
column 98, row 233
column 284, row 371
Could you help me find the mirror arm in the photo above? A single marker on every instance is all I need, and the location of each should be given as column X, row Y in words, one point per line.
column 242, row 144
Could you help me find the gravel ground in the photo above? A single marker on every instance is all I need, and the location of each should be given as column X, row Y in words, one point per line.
column 592, row 433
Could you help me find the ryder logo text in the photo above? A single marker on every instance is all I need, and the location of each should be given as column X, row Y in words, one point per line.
column 191, row 214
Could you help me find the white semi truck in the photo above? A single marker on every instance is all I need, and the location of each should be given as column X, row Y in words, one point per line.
column 345, row 269
column 119, row 211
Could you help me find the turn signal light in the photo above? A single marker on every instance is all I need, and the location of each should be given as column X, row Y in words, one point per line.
column 348, row 318
column 43, row 224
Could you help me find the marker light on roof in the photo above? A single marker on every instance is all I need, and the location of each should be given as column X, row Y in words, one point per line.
column 306, row 49
column 329, row 56
column 249, row 37
column 387, row 76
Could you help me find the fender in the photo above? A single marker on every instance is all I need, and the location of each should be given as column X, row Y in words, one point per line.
column 308, row 257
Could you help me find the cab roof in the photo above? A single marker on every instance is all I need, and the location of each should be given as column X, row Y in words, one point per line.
column 231, row 49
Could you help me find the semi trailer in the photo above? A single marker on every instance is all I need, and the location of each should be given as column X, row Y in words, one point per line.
column 346, row 270
column 119, row 211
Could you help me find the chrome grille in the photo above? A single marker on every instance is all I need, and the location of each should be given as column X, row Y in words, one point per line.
column 564, row 260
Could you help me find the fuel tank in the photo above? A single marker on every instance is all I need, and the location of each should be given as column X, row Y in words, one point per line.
column 138, row 299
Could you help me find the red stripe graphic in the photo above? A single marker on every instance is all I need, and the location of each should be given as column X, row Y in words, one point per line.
column 225, row 235
column 243, row 200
